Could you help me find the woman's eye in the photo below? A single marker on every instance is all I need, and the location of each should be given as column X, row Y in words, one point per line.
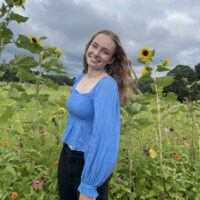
column 105, row 52
column 94, row 45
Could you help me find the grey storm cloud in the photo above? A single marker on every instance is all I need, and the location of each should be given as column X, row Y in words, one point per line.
column 171, row 27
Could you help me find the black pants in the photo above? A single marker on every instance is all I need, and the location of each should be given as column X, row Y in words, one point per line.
column 69, row 175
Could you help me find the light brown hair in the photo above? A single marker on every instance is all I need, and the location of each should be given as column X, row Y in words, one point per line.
column 120, row 69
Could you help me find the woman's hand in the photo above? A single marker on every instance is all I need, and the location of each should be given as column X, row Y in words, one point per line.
column 83, row 197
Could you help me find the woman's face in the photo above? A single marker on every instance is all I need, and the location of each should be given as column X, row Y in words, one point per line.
column 100, row 52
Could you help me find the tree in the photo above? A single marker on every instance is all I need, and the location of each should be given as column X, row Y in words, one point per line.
column 197, row 70
column 183, row 76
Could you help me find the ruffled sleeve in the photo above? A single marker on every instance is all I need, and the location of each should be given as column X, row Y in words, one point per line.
column 102, row 149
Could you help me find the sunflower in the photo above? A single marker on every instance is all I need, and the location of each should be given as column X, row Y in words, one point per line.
column 166, row 62
column 34, row 40
column 43, row 57
column 145, row 53
column 143, row 71
column 57, row 49
column 61, row 52
column 19, row 3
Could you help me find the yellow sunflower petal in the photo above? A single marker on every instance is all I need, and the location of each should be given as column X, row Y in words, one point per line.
column 166, row 62
column 145, row 53
column 143, row 71
column 57, row 49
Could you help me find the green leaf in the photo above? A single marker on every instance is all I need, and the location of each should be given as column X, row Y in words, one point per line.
column 49, row 83
column 146, row 76
column 54, row 65
column 153, row 52
column 161, row 68
column 171, row 97
column 143, row 122
column 43, row 98
column 25, row 75
column 24, row 42
column 17, row 86
column 2, row 74
column 24, row 61
column 18, row 18
column 164, row 81
column 6, row 35
column 9, row 2
column 10, row 171
column 43, row 38
column 6, row 114
column 3, row 11
column 134, row 109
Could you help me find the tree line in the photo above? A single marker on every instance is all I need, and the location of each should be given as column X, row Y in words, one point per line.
column 184, row 77
column 10, row 76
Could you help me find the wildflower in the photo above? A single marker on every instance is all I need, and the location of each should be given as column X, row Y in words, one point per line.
column 39, row 131
column 166, row 130
column 16, row 152
column 5, row 143
column 152, row 153
column 187, row 145
column 19, row 3
column 18, row 143
column 176, row 156
column 169, row 136
column 116, row 165
column 143, row 71
column 43, row 177
column 184, row 138
column 61, row 110
column 166, row 62
column 56, row 162
column 34, row 40
column 119, row 179
column 14, row 195
column 46, row 133
column 145, row 53
column 37, row 183
column 49, row 169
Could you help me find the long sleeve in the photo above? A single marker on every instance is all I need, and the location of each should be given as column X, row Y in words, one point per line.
column 102, row 150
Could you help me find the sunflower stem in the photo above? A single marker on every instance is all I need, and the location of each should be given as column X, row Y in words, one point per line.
column 159, row 116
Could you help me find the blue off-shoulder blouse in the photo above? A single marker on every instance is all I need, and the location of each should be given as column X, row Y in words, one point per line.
column 93, row 126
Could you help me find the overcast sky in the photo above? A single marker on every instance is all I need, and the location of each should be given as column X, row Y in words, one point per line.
column 171, row 27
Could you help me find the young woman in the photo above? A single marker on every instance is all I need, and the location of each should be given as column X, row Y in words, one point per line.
column 91, row 137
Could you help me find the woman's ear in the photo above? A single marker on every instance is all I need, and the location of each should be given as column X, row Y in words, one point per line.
column 112, row 60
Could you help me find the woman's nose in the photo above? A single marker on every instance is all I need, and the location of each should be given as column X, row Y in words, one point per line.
column 96, row 52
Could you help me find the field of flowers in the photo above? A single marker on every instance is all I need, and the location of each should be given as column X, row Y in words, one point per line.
column 160, row 138
column 148, row 167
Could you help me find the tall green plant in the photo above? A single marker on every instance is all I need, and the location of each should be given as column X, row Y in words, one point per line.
column 46, row 59
column 148, row 72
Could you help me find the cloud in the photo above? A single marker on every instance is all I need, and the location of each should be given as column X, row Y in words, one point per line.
column 171, row 27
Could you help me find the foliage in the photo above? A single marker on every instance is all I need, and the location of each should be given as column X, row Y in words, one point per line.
column 197, row 70
column 183, row 76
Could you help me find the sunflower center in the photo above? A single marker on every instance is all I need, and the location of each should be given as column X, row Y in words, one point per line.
column 34, row 40
column 145, row 53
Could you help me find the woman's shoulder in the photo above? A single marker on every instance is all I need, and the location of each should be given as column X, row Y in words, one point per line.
column 107, row 82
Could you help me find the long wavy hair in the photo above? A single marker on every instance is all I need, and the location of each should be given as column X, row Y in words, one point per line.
column 120, row 69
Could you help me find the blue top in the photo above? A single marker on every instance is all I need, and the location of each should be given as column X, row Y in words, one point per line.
column 93, row 126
